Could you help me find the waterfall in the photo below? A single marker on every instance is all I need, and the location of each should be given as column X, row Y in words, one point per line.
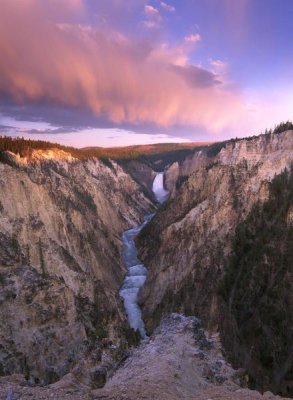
column 158, row 188
column 137, row 272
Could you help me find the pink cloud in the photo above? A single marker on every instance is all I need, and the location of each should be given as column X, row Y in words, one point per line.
column 123, row 80
column 151, row 11
column 154, row 17
column 151, row 24
column 193, row 38
column 220, row 68
column 164, row 54
column 167, row 7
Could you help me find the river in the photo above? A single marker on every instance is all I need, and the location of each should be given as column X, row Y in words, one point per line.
column 137, row 272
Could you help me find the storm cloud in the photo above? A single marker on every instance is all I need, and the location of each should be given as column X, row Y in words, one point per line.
column 52, row 59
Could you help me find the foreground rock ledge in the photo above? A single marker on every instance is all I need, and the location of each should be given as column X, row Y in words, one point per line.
column 179, row 361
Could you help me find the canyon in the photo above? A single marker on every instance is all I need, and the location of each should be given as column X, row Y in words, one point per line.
column 63, row 261
column 189, row 244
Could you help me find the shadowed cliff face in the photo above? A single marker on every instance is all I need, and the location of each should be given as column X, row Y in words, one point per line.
column 189, row 243
column 142, row 173
column 257, row 289
column 60, row 264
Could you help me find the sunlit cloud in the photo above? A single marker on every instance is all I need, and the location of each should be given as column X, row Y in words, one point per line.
column 151, row 24
column 151, row 11
column 123, row 80
column 167, row 7
column 193, row 38
column 220, row 68
column 154, row 17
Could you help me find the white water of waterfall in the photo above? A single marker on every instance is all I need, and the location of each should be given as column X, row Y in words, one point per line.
column 158, row 188
column 137, row 272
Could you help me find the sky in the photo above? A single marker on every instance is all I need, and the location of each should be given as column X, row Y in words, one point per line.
column 121, row 72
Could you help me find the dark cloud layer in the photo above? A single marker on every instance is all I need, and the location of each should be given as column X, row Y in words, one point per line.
column 196, row 77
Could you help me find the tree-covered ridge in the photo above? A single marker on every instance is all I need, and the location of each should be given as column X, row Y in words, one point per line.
column 215, row 148
column 25, row 147
column 258, row 285
column 282, row 127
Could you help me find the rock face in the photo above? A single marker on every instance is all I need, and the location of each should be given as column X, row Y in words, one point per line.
column 189, row 243
column 60, row 263
column 171, row 176
column 178, row 362
column 258, row 290
column 142, row 173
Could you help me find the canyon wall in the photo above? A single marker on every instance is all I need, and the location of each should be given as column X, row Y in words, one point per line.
column 60, row 263
column 188, row 246
column 142, row 173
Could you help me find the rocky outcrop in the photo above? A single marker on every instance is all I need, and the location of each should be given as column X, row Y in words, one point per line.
column 60, row 263
column 171, row 176
column 178, row 362
column 142, row 173
column 187, row 244
column 254, row 150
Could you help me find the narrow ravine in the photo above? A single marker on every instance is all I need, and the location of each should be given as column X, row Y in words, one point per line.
column 137, row 272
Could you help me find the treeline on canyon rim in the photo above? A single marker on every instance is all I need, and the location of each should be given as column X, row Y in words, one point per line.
column 25, row 147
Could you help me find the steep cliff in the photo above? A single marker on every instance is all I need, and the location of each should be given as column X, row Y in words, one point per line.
column 142, row 173
column 60, row 263
column 258, row 289
column 189, row 243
